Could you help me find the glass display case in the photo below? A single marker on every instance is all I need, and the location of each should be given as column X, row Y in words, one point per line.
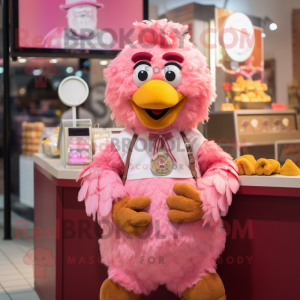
column 75, row 143
column 255, row 132
column 288, row 150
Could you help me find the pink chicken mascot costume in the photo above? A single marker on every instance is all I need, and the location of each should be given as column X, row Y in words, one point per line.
column 160, row 185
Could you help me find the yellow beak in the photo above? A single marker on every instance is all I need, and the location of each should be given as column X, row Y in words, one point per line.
column 157, row 104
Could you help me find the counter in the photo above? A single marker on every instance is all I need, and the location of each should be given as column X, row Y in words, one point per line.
column 261, row 254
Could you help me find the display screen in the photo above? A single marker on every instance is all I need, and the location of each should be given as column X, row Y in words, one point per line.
column 76, row 24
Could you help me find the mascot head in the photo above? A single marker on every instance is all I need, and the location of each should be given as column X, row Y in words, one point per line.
column 161, row 81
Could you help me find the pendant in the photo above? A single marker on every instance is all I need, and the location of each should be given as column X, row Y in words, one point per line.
column 161, row 163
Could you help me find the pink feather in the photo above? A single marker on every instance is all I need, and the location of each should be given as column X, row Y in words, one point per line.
column 229, row 196
column 83, row 191
column 219, row 183
column 210, row 155
column 222, row 203
column 102, row 183
column 91, row 205
column 219, row 180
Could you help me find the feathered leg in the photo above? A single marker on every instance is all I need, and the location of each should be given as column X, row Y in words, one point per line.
column 113, row 291
column 209, row 287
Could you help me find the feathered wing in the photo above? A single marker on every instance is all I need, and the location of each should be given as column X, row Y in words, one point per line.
column 101, row 182
column 219, row 180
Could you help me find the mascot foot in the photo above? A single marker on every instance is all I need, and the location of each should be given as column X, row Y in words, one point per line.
column 113, row 291
column 209, row 287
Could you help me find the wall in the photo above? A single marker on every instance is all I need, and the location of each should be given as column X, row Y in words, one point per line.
column 278, row 44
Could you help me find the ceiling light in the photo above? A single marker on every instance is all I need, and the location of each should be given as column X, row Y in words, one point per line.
column 69, row 70
column 22, row 91
column 273, row 26
column 37, row 72
column 22, row 60
column 268, row 22
column 78, row 73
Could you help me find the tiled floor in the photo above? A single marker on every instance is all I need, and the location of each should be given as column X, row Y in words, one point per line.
column 16, row 278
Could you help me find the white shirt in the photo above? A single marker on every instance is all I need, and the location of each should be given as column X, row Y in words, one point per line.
column 143, row 152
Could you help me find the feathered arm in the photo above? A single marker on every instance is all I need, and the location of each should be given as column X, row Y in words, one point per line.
column 101, row 182
column 219, row 180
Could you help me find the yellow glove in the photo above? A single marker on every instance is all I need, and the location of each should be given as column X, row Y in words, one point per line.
column 289, row 169
column 246, row 164
column 267, row 166
column 128, row 215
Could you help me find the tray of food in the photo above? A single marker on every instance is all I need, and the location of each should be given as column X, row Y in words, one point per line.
column 249, row 94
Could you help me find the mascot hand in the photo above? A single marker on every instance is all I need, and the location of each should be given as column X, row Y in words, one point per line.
column 186, row 207
column 125, row 214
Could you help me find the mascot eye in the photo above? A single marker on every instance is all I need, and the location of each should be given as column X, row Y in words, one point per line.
column 172, row 73
column 142, row 73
